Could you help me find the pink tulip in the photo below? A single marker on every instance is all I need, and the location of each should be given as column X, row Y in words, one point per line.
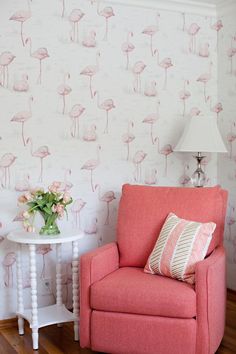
column 66, row 197
column 54, row 187
column 26, row 215
column 28, row 196
column 30, row 228
column 22, row 199
column 36, row 190
column 60, row 209
column 26, row 224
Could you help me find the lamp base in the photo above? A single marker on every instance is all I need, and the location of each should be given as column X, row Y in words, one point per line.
column 198, row 178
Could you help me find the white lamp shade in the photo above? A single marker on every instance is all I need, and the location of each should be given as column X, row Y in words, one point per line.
column 201, row 134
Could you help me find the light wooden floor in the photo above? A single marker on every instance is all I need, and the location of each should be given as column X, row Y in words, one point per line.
column 54, row 340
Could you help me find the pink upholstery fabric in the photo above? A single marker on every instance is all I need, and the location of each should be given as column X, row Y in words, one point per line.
column 126, row 333
column 130, row 290
column 93, row 267
column 120, row 333
column 143, row 210
column 180, row 245
column 211, row 301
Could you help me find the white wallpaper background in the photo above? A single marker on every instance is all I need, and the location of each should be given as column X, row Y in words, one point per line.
column 122, row 128
column 227, row 123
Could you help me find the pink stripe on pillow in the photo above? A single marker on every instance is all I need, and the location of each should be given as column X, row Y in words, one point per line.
column 201, row 244
column 170, row 247
column 179, row 246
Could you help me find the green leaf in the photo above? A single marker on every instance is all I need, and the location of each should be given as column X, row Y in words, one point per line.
column 31, row 204
column 47, row 210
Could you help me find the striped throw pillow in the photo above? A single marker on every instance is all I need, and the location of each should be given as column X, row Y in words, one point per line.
column 180, row 245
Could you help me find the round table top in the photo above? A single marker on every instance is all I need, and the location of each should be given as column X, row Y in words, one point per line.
column 34, row 238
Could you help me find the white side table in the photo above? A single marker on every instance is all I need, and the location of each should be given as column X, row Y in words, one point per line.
column 57, row 313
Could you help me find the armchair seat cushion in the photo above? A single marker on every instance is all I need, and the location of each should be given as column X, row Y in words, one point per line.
column 130, row 290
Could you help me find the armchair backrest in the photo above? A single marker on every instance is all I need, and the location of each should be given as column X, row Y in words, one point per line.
column 143, row 210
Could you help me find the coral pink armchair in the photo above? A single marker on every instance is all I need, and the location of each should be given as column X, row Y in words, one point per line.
column 124, row 310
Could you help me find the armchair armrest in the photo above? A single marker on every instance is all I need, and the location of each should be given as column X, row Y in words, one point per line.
column 211, row 301
column 94, row 266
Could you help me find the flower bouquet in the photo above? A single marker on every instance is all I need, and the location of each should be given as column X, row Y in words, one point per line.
column 50, row 204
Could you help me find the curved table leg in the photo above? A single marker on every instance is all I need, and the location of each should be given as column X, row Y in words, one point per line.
column 20, row 304
column 59, row 278
column 75, row 288
column 34, row 303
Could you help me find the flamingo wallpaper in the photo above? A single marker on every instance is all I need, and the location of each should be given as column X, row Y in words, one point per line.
column 95, row 94
column 227, row 123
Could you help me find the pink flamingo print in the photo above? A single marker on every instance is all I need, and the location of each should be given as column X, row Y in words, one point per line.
column 40, row 153
column 127, row 47
column 230, row 221
column 138, row 68
column 76, row 111
column 5, row 162
column 217, row 26
column 184, row 21
column 66, row 185
column 217, row 108
column 5, row 60
column 21, row 16
column 151, row 177
column 184, row 178
column 128, row 138
column 23, row 185
column 165, row 64
column 91, row 165
column 151, row 31
column 107, row 106
column 76, row 208
column 204, row 78
column 26, row 280
column 22, row 85
column 184, row 95
column 194, row 111
column 166, row 150
column 107, row 197
column 43, row 250
column 2, row 177
column 151, row 90
column 231, row 52
column 8, row 262
column 64, row 90
column 40, row 54
column 2, row 238
column 22, row 117
column 137, row 160
column 231, row 136
column 75, row 17
column 63, row 8
column 152, row 119
column 90, row 134
column 89, row 40
column 107, row 13
column 192, row 32
column 19, row 216
column 92, row 228
column 67, row 281
column 90, row 71
column 204, row 50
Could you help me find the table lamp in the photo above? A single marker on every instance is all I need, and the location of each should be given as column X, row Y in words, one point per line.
column 201, row 134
